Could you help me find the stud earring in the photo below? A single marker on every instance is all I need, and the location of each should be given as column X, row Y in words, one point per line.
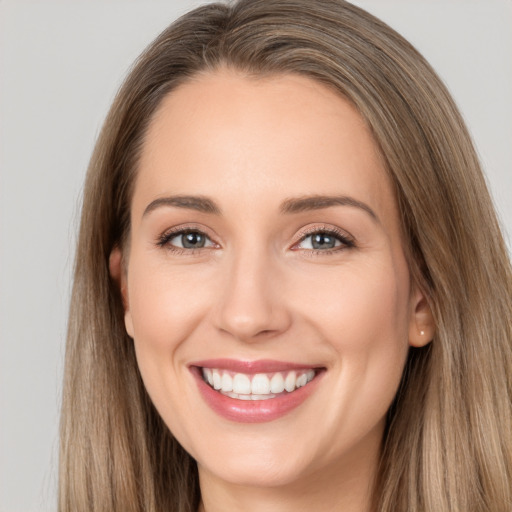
column 422, row 333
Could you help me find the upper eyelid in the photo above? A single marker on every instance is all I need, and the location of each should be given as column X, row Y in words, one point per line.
column 325, row 229
column 177, row 230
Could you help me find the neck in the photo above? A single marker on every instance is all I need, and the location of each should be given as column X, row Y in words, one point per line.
column 346, row 485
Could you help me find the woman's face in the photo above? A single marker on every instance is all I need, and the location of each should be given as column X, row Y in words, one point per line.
column 265, row 256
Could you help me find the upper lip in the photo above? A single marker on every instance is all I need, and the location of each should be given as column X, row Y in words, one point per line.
column 259, row 366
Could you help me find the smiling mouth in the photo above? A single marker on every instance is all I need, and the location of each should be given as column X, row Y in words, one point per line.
column 255, row 391
column 259, row 386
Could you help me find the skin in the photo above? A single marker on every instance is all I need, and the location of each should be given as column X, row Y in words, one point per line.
column 257, row 289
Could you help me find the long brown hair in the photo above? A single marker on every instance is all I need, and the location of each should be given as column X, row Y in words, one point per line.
column 448, row 442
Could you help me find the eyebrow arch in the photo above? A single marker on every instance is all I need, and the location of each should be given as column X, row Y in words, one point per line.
column 317, row 202
column 198, row 203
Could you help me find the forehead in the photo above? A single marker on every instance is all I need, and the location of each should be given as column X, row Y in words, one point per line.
column 264, row 139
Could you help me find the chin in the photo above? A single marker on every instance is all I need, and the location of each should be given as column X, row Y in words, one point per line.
column 257, row 471
column 262, row 462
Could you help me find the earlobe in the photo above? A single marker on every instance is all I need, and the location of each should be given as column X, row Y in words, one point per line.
column 422, row 325
column 118, row 274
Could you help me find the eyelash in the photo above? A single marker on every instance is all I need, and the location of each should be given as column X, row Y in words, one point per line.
column 164, row 239
column 346, row 241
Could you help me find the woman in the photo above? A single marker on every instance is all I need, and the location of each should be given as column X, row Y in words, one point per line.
column 291, row 289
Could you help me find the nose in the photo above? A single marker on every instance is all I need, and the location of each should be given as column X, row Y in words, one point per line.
column 252, row 305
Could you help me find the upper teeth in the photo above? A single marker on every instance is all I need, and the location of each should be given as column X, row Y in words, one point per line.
column 267, row 384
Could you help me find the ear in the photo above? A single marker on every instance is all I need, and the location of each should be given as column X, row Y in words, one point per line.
column 118, row 274
column 421, row 325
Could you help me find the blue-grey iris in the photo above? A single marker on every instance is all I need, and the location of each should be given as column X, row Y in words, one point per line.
column 323, row 241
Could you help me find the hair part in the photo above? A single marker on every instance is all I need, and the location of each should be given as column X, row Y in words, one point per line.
column 448, row 442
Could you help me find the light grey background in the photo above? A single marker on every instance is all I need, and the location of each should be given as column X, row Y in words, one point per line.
column 60, row 65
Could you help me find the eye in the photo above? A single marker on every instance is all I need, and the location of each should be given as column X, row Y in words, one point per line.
column 185, row 239
column 325, row 240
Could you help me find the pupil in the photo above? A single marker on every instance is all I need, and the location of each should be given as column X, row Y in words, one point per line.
column 193, row 240
column 322, row 241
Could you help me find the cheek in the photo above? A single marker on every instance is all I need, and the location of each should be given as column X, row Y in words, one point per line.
column 165, row 303
column 363, row 308
column 377, row 330
column 363, row 315
column 375, row 317
column 165, row 307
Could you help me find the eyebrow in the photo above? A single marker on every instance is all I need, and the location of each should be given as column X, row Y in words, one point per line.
column 289, row 206
column 198, row 203
column 317, row 202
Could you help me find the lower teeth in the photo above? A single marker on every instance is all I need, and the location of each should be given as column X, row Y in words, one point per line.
column 246, row 397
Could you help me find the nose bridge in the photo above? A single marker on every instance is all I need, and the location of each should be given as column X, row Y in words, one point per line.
column 250, row 303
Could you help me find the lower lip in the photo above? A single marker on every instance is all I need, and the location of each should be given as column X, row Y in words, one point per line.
column 253, row 411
